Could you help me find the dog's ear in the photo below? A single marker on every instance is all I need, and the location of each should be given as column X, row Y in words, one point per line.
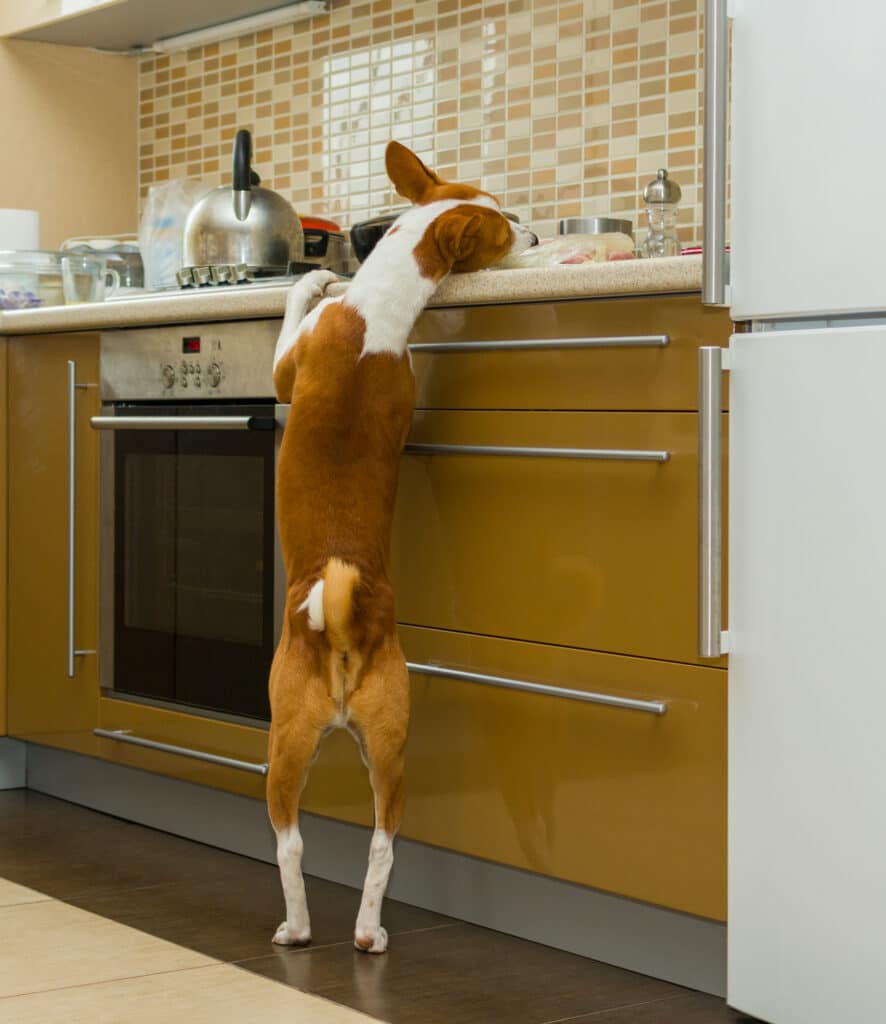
column 454, row 232
column 411, row 178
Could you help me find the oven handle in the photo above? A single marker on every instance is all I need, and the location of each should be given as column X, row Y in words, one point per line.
column 126, row 736
column 183, row 423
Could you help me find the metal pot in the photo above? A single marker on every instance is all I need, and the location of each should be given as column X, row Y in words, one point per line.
column 243, row 224
column 367, row 233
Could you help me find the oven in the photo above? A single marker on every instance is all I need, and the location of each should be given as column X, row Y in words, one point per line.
column 191, row 581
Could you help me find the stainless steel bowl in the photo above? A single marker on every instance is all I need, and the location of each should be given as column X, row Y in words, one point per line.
column 595, row 226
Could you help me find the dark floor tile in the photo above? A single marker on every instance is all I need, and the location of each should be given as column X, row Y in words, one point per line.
column 64, row 850
column 465, row 974
column 228, row 906
column 231, row 918
column 691, row 1008
column 217, row 903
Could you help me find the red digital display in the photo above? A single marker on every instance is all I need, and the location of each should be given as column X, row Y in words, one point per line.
column 190, row 344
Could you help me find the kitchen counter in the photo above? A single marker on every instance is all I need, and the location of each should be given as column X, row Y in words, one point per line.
column 593, row 280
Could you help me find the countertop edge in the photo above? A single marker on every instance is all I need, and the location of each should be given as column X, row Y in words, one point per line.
column 668, row 275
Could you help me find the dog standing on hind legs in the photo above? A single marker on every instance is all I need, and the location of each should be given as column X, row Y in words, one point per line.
column 345, row 370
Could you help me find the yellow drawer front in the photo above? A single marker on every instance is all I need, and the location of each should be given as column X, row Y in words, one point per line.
column 627, row 801
column 588, row 553
column 623, row 366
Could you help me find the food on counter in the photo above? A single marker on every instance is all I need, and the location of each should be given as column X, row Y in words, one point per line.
column 572, row 250
column 19, row 299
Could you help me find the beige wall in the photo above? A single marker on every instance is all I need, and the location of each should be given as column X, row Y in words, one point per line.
column 69, row 139
column 3, row 493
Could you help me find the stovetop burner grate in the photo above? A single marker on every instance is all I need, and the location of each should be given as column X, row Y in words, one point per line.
column 229, row 274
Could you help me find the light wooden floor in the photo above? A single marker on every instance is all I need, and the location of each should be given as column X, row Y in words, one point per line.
column 60, row 963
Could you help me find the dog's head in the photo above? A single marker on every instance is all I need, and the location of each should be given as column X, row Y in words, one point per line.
column 468, row 233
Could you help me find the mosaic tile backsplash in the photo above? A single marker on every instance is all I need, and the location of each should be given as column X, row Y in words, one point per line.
column 561, row 108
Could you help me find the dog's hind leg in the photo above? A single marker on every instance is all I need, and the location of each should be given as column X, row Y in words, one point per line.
column 380, row 713
column 295, row 735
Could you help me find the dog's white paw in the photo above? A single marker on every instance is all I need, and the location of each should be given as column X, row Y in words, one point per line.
column 317, row 281
column 369, row 940
column 288, row 936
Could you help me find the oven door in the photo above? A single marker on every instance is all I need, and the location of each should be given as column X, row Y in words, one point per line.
column 191, row 581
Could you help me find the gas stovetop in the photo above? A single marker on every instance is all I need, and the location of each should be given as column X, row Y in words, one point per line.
column 279, row 281
column 237, row 274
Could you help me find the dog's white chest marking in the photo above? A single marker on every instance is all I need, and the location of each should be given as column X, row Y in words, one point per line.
column 389, row 291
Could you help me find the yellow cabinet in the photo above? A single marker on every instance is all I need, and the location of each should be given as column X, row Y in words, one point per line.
column 626, row 800
column 585, row 551
column 592, row 354
column 46, row 374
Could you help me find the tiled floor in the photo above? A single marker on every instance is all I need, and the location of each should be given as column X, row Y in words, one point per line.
column 97, row 913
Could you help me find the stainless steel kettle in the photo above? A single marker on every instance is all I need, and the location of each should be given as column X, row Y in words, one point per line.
column 244, row 224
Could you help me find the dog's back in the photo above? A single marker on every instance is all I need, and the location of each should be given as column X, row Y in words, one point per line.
column 339, row 464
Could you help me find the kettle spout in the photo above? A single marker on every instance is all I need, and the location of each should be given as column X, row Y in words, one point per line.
column 242, row 203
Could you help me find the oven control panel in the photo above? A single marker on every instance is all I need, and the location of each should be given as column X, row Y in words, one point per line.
column 193, row 375
column 205, row 361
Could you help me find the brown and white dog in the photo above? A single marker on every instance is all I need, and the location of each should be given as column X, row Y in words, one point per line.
column 345, row 369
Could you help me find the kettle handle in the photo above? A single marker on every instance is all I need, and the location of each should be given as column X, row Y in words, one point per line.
column 242, row 160
column 244, row 177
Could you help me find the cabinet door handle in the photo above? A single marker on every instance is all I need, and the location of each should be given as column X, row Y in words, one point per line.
column 610, row 454
column 125, row 736
column 716, row 63
column 620, row 341
column 72, row 652
column 653, row 707
column 711, row 640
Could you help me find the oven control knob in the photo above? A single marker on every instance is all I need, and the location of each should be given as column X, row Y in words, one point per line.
column 168, row 372
column 214, row 374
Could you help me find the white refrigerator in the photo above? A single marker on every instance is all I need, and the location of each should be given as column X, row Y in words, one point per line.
column 806, row 620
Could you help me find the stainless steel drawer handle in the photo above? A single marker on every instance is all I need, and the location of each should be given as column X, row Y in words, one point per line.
column 610, row 454
column 183, row 422
column 72, row 651
column 125, row 736
column 524, row 344
column 653, row 707
column 710, row 503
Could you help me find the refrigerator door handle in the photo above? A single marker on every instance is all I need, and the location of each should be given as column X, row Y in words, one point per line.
column 716, row 64
column 712, row 641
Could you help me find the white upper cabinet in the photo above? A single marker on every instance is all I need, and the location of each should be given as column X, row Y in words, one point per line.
column 128, row 25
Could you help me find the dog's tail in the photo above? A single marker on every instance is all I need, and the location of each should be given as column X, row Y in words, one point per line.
column 341, row 580
column 330, row 603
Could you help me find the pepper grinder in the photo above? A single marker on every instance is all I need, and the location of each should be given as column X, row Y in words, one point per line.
column 662, row 198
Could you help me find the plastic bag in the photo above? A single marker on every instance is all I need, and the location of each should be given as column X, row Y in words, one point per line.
column 572, row 250
column 162, row 228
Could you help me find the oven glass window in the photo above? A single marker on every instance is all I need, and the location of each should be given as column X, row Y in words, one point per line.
column 194, row 564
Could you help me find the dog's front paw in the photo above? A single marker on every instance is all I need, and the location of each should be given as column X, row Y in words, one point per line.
column 317, row 281
column 289, row 936
column 371, row 940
